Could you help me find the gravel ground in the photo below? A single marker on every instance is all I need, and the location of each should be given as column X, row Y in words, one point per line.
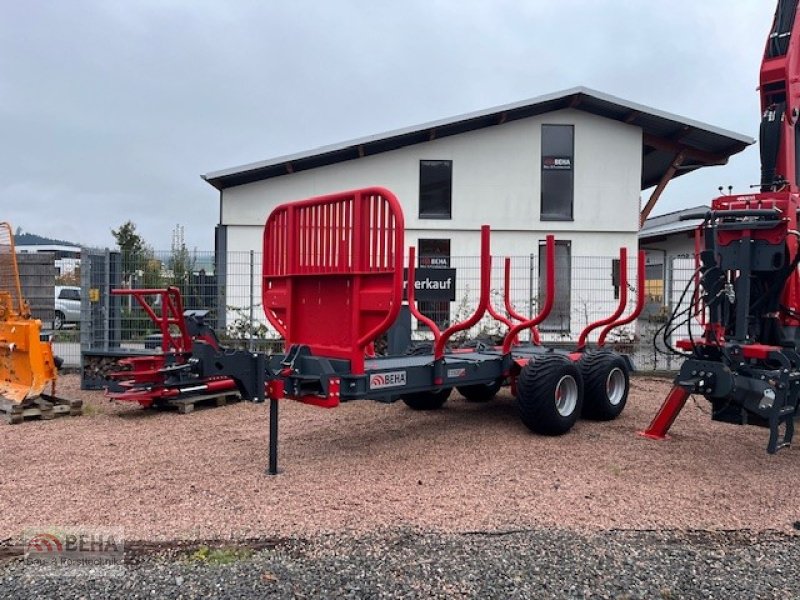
column 404, row 564
column 365, row 465
column 381, row 501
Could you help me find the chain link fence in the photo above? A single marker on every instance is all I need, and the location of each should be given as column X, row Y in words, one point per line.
column 588, row 289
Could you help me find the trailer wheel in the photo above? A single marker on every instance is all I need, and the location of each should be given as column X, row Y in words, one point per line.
column 550, row 394
column 481, row 392
column 427, row 400
column 607, row 381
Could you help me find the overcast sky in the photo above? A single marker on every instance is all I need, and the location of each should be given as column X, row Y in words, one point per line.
column 111, row 111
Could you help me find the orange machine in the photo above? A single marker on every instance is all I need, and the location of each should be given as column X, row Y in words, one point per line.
column 27, row 366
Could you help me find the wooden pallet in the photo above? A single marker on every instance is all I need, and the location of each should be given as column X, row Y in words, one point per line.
column 187, row 404
column 44, row 407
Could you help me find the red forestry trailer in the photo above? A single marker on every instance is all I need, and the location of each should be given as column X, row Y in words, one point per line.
column 745, row 361
column 332, row 283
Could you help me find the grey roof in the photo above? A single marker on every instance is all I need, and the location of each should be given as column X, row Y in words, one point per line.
column 664, row 136
column 669, row 223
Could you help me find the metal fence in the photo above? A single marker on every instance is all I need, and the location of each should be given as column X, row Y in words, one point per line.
column 588, row 289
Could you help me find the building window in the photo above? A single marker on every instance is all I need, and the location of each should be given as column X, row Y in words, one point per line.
column 654, row 283
column 434, row 254
column 558, row 185
column 435, row 189
column 558, row 320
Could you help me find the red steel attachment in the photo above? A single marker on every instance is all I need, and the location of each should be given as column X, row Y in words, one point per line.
column 550, row 292
column 674, row 402
column 510, row 308
column 623, row 301
column 639, row 301
column 412, row 304
column 171, row 314
column 333, row 271
column 483, row 302
column 146, row 379
column 147, row 396
column 331, row 400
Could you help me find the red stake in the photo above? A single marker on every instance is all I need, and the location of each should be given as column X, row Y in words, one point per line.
column 674, row 402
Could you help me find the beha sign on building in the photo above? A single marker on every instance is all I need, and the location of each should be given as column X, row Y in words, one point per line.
column 556, row 163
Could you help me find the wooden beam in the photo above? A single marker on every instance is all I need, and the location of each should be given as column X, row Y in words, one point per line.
column 289, row 168
column 677, row 161
column 361, row 151
column 673, row 146
column 576, row 100
column 503, row 118
column 432, row 135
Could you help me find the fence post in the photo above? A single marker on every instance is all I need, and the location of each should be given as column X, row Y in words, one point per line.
column 114, row 302
column 87, row 326
column 106, row 296
column 221, row 259
column 252, row 291
column 531, row 296
column 670, row 287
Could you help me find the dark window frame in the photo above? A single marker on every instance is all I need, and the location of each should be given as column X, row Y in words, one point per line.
column 426, row 253
column 427, row 190
column 550, row 148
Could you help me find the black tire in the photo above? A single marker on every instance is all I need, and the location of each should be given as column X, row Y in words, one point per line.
column 550, row 394
column 58, row 320
column 427, row 400
column 606, row 380
column 480, row 392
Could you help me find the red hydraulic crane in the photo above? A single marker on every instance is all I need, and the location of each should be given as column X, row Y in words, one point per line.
column 746, row 360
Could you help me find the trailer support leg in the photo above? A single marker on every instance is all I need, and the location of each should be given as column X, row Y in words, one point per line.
column 273, row 436
column 674, row 402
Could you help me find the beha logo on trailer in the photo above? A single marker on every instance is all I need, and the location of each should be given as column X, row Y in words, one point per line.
column 387, row 380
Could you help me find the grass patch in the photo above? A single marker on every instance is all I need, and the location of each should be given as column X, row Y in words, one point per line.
column 67, row 335
column 91, row 410
column 219, row 556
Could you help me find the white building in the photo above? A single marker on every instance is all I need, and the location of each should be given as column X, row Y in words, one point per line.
column 572, row 163
column 671, row 235
column 670, row 242
column 66, row 258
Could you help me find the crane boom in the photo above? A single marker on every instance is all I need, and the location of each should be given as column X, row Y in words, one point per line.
column 779, row 87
